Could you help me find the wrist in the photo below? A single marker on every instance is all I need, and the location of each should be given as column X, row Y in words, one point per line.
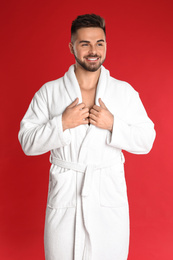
column 111, row 127
column 64, row 126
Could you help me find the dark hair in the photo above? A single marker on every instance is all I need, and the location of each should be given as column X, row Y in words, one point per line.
column 87, row 20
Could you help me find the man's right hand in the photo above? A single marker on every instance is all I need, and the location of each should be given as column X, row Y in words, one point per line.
column 74, row 115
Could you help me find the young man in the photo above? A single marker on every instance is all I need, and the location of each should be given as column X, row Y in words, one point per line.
column 85, row 119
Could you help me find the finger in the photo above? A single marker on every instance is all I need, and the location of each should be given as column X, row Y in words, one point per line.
column 102, row 103
column 94, row 112
column 85, row 115
column 97, row 108
column 85, row 121
column 81, row 106
column 85, row 110
column 74, row 103
column 93, row 117
column 91, row 121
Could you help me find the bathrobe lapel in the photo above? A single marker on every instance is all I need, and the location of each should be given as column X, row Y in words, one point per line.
column 74, row 91
column 71, row 85
column 93, row 130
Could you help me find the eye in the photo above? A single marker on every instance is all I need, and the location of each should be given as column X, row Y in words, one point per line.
column 100, row 44
column 84, row 44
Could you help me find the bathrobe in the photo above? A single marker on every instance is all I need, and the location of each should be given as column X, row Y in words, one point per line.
column 87, row 214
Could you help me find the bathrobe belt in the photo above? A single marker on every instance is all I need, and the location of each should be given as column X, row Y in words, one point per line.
column 88, row 170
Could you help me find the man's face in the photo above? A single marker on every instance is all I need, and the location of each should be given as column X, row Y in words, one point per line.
column 89, row 48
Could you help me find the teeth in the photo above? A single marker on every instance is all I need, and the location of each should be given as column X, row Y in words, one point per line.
column 92, row 58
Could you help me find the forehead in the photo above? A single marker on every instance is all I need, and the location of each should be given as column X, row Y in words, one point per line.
column 90, row 34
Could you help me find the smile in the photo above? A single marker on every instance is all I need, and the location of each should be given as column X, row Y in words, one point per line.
column 92, row 59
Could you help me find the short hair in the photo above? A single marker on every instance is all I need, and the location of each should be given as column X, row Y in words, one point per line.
column 87, row 20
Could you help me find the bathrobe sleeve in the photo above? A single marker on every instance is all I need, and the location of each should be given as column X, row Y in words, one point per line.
column 38, row 132
column 134, row 132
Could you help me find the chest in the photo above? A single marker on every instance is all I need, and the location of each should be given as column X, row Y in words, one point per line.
column 88, row 97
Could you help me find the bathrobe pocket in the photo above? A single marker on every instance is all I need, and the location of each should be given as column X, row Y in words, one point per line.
column 62, row 190
column 113, row 187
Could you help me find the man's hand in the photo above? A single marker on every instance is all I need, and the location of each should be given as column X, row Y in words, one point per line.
column 75, row 115
column 101, row 116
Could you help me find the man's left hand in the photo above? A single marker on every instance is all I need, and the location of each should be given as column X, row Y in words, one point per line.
column 101, row 117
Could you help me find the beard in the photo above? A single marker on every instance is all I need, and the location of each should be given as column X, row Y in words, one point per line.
column 90, row 67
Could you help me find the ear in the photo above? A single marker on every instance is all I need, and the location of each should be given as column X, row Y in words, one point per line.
column 71, row 48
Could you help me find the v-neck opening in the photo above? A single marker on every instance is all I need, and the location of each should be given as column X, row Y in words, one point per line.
column 73, row 88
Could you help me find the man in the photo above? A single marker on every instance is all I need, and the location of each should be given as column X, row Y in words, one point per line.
column 85, row 119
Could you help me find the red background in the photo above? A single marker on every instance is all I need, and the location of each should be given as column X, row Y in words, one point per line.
column 34, row 50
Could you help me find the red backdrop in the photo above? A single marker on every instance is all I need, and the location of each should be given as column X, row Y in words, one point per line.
column 34, row 50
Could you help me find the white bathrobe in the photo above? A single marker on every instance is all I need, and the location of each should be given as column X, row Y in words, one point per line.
column 87, row 214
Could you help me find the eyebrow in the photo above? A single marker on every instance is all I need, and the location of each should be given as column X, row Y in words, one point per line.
column 89, row 41
column 101, row 40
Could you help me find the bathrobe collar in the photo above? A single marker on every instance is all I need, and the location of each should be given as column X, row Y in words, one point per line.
column 73, row 89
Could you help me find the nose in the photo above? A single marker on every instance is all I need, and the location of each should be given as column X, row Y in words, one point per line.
column 92, row 50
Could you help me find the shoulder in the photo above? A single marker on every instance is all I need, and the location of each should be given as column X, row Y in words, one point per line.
column 51, row 85
column 50, row 88
column 121, row 86
column 121, row 91
column 117, row 85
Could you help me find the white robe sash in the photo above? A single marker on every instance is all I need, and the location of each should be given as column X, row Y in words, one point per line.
column 88, row 171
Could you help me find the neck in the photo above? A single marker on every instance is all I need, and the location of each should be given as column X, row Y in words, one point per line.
column 87, row 80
